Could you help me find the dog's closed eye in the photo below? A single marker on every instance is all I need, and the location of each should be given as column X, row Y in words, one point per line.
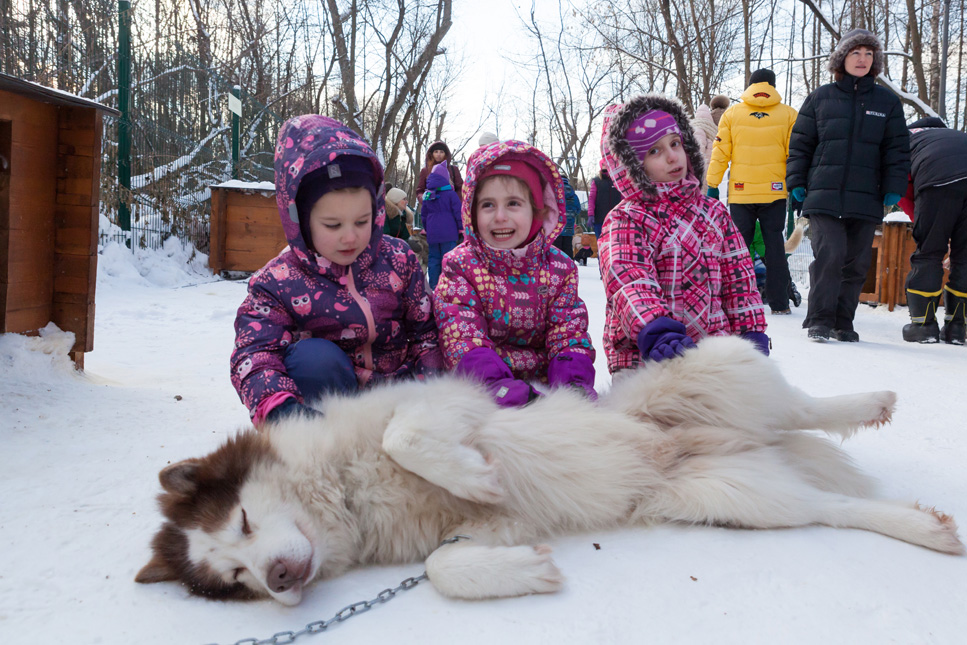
column 246, row 529
column 239, row 571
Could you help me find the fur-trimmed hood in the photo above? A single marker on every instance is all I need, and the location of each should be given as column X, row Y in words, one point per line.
column 623, row 164
column 849, row 42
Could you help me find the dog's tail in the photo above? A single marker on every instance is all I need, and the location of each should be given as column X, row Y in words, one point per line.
column 795, row 238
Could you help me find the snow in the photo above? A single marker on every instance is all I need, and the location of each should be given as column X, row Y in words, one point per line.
column 238, row 184
column 81, row 452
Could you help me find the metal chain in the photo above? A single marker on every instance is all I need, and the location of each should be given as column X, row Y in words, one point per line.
column 346, row 612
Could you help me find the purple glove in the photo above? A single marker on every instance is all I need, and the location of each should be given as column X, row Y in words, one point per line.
column 486, row 366
column 663, row 338
column 759, row 339
column 571, row 368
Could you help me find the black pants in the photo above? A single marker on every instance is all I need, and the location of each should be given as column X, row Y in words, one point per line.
column 842, row 249
column 564, row 242
column 772, row 221
column 583, row 254
column 940, row 218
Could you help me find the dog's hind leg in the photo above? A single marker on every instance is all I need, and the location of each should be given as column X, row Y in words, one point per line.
column 474, row 571
column 725, row 382
column 757, row 489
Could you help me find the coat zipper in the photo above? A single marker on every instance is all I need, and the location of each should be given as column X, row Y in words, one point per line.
column 849, row 151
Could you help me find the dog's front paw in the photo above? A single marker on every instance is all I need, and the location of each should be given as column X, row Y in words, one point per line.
column 538, row 571
column 465, row 570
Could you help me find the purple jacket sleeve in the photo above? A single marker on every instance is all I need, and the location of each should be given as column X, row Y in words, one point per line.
column 263, row 328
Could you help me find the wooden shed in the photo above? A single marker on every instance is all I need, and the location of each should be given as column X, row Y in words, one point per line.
column 886, row 277
column 50, row 184
column 245, row 228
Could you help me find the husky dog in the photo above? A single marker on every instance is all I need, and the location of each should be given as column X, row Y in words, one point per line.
column 712, row 437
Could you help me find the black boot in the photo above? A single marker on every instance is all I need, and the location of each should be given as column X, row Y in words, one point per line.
column 923, row 326
column 955, row 304
column 794, row 294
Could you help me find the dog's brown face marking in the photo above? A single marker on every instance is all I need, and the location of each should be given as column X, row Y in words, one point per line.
column 200, row 494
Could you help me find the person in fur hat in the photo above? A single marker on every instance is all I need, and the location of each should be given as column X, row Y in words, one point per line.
column 752, row 143
column 849, row 157
column 675, row 268
column 718, row 105
column 705, row 131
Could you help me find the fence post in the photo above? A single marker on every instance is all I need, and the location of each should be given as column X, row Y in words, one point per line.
column 235, row 106
column 124, row 123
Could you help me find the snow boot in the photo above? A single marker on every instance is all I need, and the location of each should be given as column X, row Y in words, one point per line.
column 955, row 304
column 794, row 294
column 923, row 326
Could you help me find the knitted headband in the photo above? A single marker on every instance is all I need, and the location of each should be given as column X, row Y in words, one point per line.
column 648, row 129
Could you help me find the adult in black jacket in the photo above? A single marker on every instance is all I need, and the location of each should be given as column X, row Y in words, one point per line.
column 937, row 199
column 848, row 157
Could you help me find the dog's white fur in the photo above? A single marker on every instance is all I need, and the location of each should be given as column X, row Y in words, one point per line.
column 711, row 438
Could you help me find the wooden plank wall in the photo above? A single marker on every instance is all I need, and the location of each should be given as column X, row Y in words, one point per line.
column 76, row 224
column 28, row 251
column 245, row 230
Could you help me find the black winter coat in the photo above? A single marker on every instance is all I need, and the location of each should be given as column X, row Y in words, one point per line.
column 849, row 148
column 938, row 156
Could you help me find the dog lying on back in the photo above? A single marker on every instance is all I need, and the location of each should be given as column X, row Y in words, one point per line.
column 711, row 437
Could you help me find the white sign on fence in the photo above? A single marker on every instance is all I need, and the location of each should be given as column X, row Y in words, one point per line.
column 235, row 104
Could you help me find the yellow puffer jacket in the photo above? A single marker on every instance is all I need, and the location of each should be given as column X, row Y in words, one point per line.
column 754, row 137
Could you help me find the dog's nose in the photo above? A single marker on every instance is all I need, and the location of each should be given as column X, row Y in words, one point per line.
column 284, row 575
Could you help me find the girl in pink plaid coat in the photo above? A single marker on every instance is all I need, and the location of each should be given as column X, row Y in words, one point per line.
column 675, row 268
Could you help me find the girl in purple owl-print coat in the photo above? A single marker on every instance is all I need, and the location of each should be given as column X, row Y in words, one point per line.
column 342, row 306
column 507, row 303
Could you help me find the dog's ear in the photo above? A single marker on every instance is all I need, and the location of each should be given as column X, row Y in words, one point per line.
column 180, row 478
column 155, row 571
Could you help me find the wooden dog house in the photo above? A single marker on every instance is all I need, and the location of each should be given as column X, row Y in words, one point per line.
column 50, row 184
column 886, row 278
column 245, row 228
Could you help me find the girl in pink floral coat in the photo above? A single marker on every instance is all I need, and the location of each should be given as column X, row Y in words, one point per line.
column 675, row 268
column 507, row 303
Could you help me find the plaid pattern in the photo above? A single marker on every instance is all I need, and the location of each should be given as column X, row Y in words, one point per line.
column 677, row 255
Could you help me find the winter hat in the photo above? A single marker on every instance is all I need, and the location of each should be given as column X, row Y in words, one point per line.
column 850, row 41
column 647, row 129
column 345, row 171
column 529, row 175
column 763, row 76
column 487, row 138
column 394, row 195
column 718, row 105
column 443, row 171
column 521, row 170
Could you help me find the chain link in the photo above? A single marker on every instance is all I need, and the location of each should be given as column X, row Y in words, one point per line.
column 347, row 612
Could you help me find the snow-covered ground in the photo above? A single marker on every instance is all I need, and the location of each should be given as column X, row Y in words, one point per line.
column 79, row 455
